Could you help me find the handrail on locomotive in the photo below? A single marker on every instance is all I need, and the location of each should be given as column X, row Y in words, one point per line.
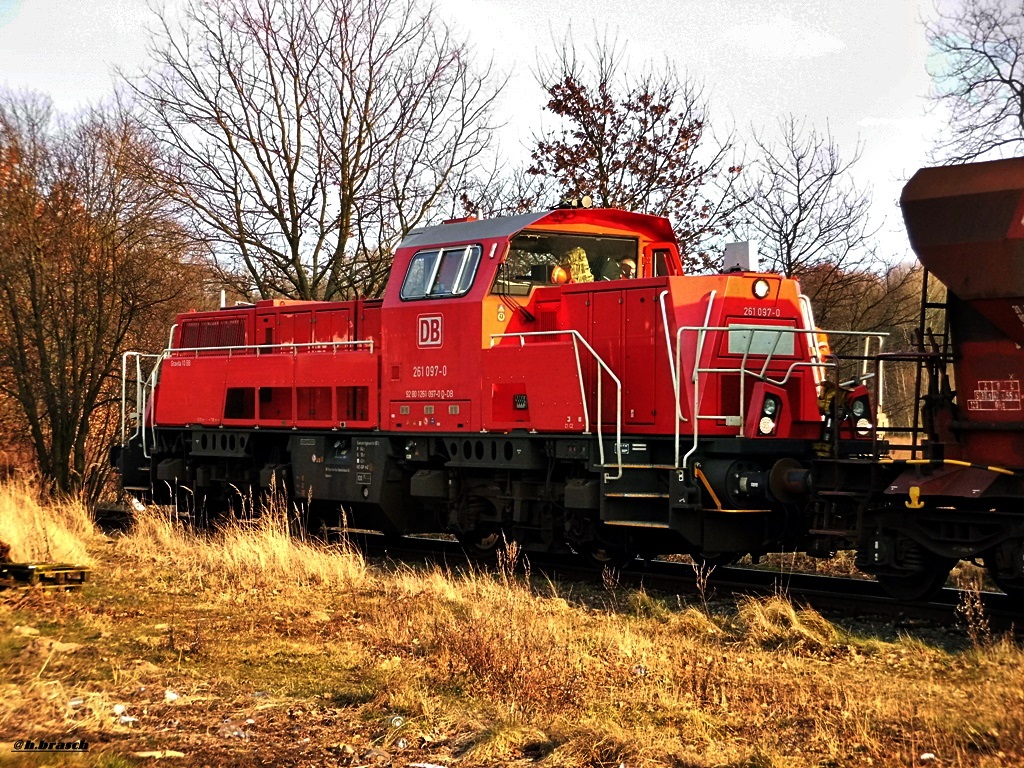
column 577, row 339
column 144, row 386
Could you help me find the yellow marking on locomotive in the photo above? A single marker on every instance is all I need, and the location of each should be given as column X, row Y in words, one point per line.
column 699, row 474
column 1001, row 471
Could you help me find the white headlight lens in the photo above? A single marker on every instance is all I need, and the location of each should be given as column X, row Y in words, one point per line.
column 765, row 426
column 761, row 288
column 859, row 408
column 771, row 405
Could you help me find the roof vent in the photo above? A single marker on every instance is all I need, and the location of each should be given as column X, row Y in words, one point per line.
column 740, row 257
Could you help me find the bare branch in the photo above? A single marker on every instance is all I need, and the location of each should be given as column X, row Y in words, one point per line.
column 305, row 138
column 978, row 75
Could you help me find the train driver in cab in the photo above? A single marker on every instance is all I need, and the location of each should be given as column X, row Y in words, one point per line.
column 620, row 269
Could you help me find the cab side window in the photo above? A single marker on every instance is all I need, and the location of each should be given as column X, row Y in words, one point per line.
column 534, row 258
column 421, row 268
column 439, row 273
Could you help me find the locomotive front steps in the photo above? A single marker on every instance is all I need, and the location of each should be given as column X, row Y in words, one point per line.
column 647, row 495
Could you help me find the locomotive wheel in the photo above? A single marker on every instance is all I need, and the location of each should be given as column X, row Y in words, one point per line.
column 483, row 543
column 481, row 537
column 716, row 560
column 610, row 556
column 916, row 585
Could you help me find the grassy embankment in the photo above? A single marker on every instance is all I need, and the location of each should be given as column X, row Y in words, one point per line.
column 249, row 647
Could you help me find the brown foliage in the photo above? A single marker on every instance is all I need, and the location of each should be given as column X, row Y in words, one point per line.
column 91, row 261
column 640, row 143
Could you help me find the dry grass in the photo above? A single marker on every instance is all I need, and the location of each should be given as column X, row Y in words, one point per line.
column 257, row 554
column 53, row 532
column 775, row 623
column 332, row 658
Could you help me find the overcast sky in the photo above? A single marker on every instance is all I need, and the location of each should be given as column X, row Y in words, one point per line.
column 857, row 66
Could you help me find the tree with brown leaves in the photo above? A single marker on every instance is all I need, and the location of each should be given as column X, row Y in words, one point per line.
column 640, row 142
column 90, row 261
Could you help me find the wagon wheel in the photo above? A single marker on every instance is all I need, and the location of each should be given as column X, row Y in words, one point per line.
column 605, row 549
column 706, row 562
column 1011, row 585
column 917, row 585
column 481, row 539
column 482, row 542
column 714, row 559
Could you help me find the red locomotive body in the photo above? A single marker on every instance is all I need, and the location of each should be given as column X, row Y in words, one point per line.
column 550, row 376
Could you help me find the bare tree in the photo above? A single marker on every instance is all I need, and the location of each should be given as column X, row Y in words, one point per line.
column 979, row 77
column 498, row 191
column 88, row 259
column 306, row 137
column 803, row 205
column 637, row 142
column 812, row 222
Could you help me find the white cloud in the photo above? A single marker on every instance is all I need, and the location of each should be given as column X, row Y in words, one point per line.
column 783, row 38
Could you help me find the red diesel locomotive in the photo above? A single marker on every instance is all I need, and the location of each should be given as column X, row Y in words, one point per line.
column 550, row 377
column 554, row 378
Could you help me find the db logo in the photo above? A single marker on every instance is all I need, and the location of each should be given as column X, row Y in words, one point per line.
column 428, row 331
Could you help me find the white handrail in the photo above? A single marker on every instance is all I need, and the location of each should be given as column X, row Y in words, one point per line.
column 671, row 359
column 143, row 385
column 578, row 339
column 294, row 346
column 812, row 336
column 696, row 380
column 815, row 363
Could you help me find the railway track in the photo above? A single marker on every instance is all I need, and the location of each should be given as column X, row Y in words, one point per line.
column 849, row 597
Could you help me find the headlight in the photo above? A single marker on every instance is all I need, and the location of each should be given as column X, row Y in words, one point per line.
column 765, row 426
column 761, row 288
column 770, row 407
column 859, row 408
